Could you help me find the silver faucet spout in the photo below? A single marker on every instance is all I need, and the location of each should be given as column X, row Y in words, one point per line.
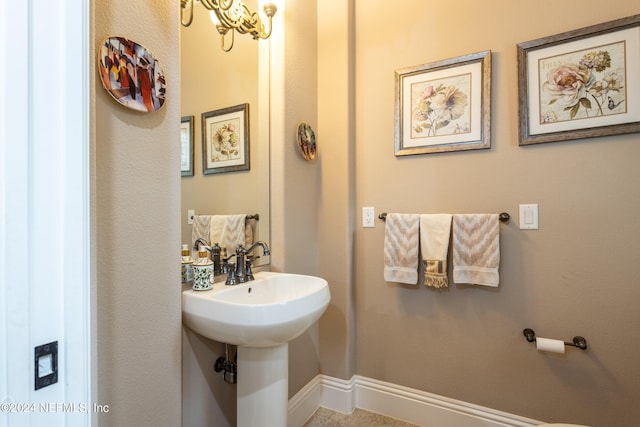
column 201, row 242
column 263, row 245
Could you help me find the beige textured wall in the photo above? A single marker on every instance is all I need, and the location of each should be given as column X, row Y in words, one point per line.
column 296, row 196
column 337, row 196
column 136, row 206
column 575, row 276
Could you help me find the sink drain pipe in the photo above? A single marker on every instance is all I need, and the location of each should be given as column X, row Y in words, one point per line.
column 228, row 368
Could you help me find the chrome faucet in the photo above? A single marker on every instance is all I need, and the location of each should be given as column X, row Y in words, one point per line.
column 201, row 242
column 242, row 272
column 263, row 245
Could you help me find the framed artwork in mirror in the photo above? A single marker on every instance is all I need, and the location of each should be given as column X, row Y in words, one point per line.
column 580, row 84
column 186, row 149
column 225, row 140
column 444, row 105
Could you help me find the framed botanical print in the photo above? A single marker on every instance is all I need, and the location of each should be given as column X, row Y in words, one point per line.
column 580, row 84
column 225, row 140
column 444, row 105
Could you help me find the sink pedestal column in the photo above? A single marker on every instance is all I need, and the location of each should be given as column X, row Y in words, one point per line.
column 263, row 386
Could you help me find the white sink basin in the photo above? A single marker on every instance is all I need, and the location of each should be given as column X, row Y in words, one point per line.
column 269, row 311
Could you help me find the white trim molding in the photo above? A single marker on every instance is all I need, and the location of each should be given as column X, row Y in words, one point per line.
column 45, row 210
column 395, row 401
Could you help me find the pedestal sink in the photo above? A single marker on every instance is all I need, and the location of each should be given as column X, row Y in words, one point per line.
column 260, row 317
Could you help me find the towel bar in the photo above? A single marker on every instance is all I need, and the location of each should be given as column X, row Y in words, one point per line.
column 503, row 217
column 578, row 341
column 256, row 217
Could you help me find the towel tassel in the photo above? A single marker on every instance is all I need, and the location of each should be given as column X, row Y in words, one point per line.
column 436, row 282
column 435, row 274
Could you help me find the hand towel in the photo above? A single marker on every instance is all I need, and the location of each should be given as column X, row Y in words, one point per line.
column 201, row 228
column 476, row 249
column 435, row 232
column 401, row 248
column 231, row 231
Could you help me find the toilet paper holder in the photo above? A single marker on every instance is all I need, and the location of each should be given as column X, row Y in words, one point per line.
column 578, row 341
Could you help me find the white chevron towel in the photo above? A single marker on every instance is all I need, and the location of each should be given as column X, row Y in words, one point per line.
column 401, row 248
column 231, row 231
column 476, row 249
column 201, row 228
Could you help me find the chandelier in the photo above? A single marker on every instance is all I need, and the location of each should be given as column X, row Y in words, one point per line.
column 231, row 16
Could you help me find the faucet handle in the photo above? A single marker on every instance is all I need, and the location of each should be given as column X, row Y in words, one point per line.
column 231, row 278
column 225, row 267
column 247, row 268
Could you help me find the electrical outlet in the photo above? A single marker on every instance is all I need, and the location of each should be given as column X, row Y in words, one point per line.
column 368, row 217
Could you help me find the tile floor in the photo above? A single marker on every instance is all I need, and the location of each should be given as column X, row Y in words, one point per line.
column 326, row 418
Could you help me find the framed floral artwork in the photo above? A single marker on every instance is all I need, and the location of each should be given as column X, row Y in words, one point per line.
column 225, row 140
column 444, row 105
column 580, row 84
column 186, row 146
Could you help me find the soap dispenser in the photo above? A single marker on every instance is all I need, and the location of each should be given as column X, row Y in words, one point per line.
column 187, row 265
column 202, row 271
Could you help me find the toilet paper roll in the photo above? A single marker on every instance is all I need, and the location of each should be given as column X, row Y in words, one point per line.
column 553, row 346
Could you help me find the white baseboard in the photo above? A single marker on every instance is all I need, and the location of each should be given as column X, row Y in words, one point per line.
column 403, row 403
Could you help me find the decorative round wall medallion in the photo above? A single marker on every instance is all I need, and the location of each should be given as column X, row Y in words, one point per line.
column 131, row 74
column 306, row 141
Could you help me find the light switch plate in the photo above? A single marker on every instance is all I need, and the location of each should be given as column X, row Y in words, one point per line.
column 529, row 217
column 190, row 214
column 368, row 217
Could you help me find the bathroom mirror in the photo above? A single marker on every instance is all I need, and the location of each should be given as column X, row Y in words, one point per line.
column 212, row 80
